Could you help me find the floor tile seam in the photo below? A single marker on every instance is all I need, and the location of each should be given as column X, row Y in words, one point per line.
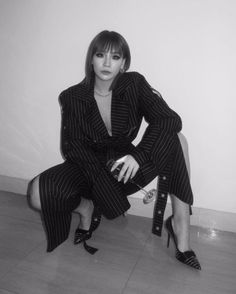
column 134, row 266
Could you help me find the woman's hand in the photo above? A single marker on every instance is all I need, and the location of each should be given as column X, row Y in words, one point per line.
column 129, row 168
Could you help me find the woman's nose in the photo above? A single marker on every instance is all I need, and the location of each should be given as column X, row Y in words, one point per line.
column 107, row 60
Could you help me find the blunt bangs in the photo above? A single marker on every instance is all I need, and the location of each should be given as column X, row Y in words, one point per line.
column 105, row 45
column 103, row 42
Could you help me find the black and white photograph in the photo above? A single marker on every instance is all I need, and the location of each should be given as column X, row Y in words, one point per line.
column 117, row 147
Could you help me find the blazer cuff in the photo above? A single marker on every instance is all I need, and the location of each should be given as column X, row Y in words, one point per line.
column 140, row 156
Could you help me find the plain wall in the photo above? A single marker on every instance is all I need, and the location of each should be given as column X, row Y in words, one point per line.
column 186, row 49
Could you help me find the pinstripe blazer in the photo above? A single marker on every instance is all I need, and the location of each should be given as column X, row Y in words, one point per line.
column 86, row 141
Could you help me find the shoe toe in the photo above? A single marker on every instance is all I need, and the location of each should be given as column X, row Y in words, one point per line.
column 189, row 258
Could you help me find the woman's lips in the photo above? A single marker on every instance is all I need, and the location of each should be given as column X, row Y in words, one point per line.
column 105, row 72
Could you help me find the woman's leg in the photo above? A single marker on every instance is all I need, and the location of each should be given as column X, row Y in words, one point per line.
column 56, row 193
column 85, row 208
column 33, row 196
column 181, row 220
column 184, row 145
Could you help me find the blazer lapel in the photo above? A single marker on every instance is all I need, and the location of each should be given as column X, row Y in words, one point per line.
column 94, row 119
column 119, row 111
column 119, row 115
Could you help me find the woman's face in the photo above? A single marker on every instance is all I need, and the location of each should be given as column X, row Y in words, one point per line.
column 107, row 64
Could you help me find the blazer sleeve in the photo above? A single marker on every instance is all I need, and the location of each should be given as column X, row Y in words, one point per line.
column 73, row 141
column 163, row 125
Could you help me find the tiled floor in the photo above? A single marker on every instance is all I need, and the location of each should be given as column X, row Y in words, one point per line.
column 130, row 259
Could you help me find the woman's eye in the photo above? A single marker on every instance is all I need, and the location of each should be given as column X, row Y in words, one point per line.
column 116, row 57
column 99, row 54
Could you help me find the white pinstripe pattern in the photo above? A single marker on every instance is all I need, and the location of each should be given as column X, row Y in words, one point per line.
column 86, row 146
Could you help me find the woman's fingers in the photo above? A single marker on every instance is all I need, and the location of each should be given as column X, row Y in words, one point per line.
column 129, row 167
column 128, row 174
column 117, row 163
column 123, row 171
column 134, row 171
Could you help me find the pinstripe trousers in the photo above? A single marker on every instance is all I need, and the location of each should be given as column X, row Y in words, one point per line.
column 62, row 186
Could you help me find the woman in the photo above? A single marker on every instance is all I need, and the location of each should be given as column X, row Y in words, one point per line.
column 101, row 116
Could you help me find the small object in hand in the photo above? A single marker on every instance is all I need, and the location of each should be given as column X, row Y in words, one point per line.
column 116, row 171
column 150, row 196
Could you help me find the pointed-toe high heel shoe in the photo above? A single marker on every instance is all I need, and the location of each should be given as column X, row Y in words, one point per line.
column 81, row 236
column 187, row 257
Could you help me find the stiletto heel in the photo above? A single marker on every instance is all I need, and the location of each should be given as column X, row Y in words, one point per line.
column 187, row 257
column 81, row 236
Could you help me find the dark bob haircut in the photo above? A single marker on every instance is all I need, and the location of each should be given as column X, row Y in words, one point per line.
column 105, row 41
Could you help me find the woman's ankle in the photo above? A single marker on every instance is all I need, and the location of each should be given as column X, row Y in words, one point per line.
column 84, row 206
column 85, row 209
column 181, row 229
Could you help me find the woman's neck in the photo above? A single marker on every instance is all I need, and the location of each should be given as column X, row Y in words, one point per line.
column 102, row 87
